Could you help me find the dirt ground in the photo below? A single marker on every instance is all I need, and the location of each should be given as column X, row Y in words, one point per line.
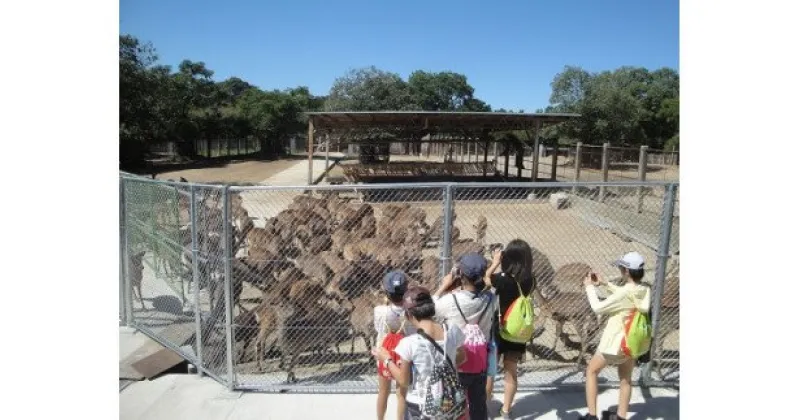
column 251, row 171
column 258, row 171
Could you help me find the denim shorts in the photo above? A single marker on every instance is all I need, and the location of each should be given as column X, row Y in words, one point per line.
column 491, row 370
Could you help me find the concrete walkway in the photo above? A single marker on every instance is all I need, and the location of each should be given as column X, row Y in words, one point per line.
column 190, row 397
column 297, row 174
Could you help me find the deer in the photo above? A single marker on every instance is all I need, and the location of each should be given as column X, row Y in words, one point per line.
column 302, row 323
column 136, row 274
column 569, row 307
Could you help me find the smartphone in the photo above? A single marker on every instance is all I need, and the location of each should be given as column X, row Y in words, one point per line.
column 594, row 277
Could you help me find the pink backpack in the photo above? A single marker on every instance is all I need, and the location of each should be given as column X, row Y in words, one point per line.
column 476, row 345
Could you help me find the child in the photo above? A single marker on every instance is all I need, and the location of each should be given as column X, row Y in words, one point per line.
column 417, row 351
column 623, row 301
column 390, row 321
column 471, row 305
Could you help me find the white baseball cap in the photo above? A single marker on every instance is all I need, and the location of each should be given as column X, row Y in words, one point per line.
column 631, row 261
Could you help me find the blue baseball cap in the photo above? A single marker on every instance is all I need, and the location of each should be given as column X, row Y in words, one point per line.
column 472, row 265
column 395, row 282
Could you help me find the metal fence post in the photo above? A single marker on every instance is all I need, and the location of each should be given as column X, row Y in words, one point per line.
column 448, row 230
column 196, row 280
column 226, row 232
column 642, row 178
column 123, row 296
column 127, row 260
column 604, row 166
column 663, row 255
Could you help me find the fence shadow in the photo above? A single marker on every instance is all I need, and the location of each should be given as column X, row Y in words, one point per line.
column 666, row 407
column 571, row 404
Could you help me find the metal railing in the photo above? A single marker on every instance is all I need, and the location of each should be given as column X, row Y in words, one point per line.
column 272, row 288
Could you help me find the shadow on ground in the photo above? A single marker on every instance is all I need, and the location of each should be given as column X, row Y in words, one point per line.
column 570, row 405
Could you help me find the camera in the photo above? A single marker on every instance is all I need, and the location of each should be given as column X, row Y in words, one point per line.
column 496, row 247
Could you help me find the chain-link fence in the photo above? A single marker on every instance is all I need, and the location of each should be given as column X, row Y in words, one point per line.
column 273, row 288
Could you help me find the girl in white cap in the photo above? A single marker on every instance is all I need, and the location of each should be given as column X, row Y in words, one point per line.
column 617, row 306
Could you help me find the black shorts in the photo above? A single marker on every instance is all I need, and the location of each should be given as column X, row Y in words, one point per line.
column 508, row 349
column 505, row 348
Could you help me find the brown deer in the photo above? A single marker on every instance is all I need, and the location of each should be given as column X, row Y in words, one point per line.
column 136, row 274
column 569, row 307
column 480, row 227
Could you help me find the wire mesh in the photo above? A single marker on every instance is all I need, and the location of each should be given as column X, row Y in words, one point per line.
column 156, row 226
column 662, row 165
column 665, row 351
column 308, row 273
column 208, row 283
column 571, row 232
column 307, row 263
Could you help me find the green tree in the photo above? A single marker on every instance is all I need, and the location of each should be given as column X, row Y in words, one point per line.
column 369, row 89
column 627, row 106
column 443, row 91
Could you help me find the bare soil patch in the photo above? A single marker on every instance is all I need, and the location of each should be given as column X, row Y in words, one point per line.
column 252, row 171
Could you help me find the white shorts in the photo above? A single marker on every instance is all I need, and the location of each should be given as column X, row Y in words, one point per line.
column 614, row 359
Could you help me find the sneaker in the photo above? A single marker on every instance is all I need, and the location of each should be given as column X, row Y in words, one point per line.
column 605, row 415
column 587, row 416
column 504, row 415
column 614, row 416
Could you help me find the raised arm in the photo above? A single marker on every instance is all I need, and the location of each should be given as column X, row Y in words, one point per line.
column 446, row 286
column 496, row 258
column 610, row 305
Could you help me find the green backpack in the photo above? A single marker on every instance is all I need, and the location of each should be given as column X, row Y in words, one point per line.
column 638, row 334
column 516, row 325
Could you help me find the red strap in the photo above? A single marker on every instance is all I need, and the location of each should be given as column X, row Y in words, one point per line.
column 628, row 321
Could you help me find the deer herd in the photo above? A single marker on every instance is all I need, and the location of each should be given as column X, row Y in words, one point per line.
column 317, row 267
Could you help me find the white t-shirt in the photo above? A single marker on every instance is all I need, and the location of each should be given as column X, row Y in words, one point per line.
column 420, row 352
column 393, row 316
column 472, row 305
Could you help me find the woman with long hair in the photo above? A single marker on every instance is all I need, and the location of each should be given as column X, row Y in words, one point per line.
column 516, row 274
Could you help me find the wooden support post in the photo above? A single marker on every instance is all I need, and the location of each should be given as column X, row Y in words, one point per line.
column 310, row 151
column 604, row 168
column 554, row 164
column 578, row 153
column 507, row 154
column 536, row 146
column 485, row 152
column 642, row 177
column 327, row 151
column 495, row 152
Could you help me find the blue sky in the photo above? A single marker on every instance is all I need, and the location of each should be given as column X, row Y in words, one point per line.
column 509, row 50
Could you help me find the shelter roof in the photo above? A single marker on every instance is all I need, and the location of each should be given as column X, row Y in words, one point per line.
column 435, row 121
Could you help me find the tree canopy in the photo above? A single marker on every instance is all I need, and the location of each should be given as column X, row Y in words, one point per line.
column 628, row 105
column 159, row 105
column 372, row 89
